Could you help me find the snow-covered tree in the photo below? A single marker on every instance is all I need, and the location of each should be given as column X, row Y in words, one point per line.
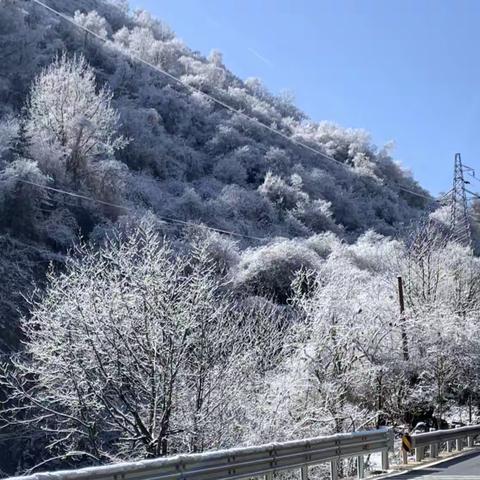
column 20, row 203
column 93, row 22
column 155, row 369
column 271, row 269
column 9, row 128
column 71, row 118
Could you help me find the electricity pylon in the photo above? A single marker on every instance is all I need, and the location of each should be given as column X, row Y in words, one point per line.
column 459, row 221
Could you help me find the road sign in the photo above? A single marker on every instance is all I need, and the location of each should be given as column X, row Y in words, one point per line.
column 407, row 443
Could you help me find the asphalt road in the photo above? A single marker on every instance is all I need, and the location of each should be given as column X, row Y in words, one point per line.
column 466, row 467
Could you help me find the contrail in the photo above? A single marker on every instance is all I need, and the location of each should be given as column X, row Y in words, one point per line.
column 261, row 57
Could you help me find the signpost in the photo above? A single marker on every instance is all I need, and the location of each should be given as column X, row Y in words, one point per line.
column 406, row 447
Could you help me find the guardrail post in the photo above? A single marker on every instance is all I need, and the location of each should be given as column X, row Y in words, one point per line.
column 419, row 452
column 385, row 464
column 360, row 467
column 269, row 476
column 304, row 472
column 433, row 450
column 334, row 470
column 449, row 445
column 459, row 442
column 470, row 442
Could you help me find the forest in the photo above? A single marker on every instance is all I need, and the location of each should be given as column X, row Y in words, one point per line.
column 195, row 264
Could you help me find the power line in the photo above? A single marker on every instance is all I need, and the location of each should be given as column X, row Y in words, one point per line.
column 216, row 100
column 127, row 209
column 161, row 217
column 472, row 177
column 476, row 195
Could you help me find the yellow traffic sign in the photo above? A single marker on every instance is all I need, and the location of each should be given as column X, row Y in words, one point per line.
column 407, row 443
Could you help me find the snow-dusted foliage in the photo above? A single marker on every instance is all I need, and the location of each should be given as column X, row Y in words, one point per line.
column 20, row 210
column 93, row 22
column 89, row 98
column 8, row 131
column 70, row 119
column 155, row 369
column 344, row 364
column 165, row 335
column 270, row 270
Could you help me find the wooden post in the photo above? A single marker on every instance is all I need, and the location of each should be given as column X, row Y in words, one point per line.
column 470, row 408
column 403, row 330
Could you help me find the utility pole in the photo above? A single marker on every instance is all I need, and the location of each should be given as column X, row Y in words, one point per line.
column 403, row 330
column 459, row 221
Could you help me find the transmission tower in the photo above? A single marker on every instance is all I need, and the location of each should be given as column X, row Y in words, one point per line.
column 459, row 221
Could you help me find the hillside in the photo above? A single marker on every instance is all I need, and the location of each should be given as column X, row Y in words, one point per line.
column 182, row 155
column 189, row 158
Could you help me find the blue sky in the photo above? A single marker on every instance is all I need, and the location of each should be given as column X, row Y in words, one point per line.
column 407, row 70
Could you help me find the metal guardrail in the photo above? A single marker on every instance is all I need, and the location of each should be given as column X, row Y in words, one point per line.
column 248, row 462
column 453, row 439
